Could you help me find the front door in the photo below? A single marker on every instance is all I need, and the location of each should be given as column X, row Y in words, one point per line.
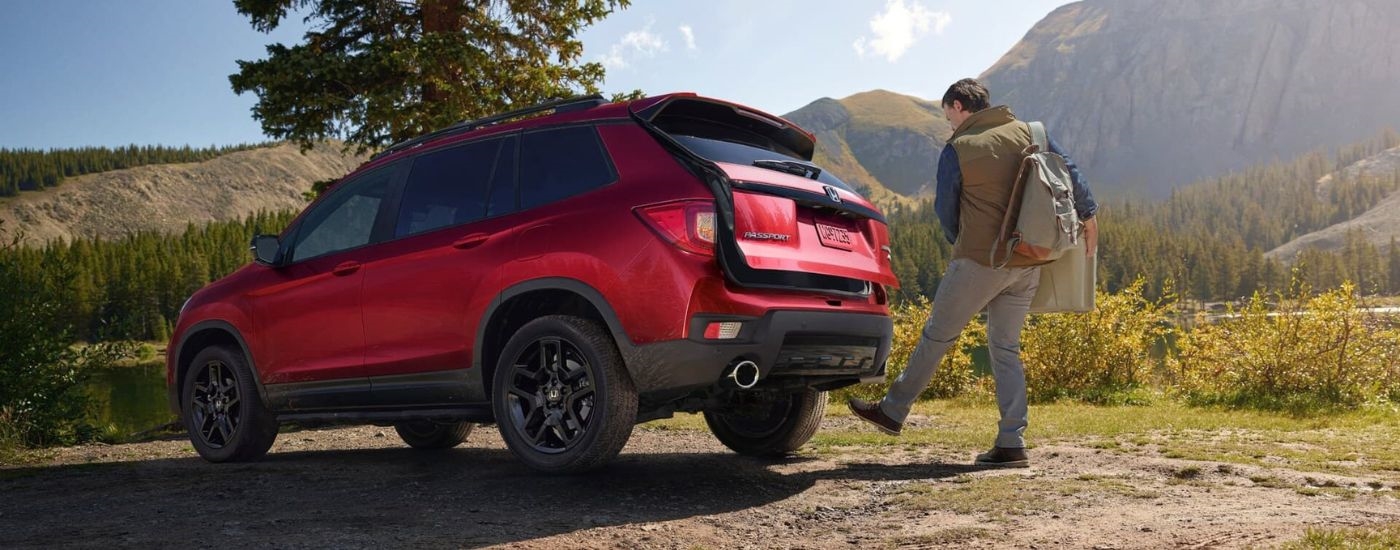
column 310, row 319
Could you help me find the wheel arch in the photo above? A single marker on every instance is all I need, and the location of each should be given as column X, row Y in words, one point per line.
column 523, row 302
column 200, row 336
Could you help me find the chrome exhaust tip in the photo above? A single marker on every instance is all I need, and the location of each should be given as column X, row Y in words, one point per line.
column 744, row 375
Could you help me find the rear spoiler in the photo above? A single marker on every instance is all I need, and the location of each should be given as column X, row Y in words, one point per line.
column 782, row 132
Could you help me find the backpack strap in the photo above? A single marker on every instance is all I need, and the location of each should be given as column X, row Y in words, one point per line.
column 1038, row 138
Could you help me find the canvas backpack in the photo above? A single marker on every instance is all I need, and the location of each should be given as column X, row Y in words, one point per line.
column 1041, row 209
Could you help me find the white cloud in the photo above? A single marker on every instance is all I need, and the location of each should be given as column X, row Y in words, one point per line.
column 689, row 35
column 898, row 27
column 641, row 43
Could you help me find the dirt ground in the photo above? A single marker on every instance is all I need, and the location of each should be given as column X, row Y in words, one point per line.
column 360, row 487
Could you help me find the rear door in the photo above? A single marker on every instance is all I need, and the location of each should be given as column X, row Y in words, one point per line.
column 783, row 221
column 449, row 236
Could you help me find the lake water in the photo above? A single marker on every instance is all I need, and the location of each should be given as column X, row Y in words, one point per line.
column 131, row 398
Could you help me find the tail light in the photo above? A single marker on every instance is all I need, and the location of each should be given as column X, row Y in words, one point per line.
column 690, row 225
column 726, row 330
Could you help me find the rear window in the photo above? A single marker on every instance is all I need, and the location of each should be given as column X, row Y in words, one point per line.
column 740, row 153
column 447, row 187
column 561, row 162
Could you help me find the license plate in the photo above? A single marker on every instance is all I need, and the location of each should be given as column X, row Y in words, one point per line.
column 834, row 237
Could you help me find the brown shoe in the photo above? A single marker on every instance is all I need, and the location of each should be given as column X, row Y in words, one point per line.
column 870, row 412
column 1005, row 457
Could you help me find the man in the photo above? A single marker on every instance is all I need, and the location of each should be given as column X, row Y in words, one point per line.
column 976, row 174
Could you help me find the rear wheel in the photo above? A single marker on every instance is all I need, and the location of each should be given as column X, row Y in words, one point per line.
column 562, row 397
column 222, row 410
column 768, row 424
column 429, row 435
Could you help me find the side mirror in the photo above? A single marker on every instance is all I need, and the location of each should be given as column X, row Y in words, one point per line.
column 265, row 248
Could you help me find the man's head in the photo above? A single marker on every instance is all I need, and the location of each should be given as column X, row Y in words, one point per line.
column 963, row 98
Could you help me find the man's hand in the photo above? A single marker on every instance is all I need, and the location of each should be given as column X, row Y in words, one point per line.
column 1091, row 236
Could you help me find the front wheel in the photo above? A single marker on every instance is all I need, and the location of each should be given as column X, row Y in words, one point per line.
column 562, row 397
column 223, row 413
column 768, row 424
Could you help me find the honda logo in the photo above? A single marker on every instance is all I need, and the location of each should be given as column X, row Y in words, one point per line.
column 831, row 193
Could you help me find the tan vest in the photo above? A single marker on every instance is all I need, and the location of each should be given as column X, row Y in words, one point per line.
column 989, row 146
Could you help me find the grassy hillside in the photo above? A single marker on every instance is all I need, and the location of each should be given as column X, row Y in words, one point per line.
column 885, row 142
column 33, row 169
column 167, row 197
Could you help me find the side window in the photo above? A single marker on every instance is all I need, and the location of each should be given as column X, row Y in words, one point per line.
column 560, row 163
column 502, row 200
column 447, row 187
column 345, row 219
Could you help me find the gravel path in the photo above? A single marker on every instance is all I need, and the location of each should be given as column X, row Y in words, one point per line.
column 360, row 487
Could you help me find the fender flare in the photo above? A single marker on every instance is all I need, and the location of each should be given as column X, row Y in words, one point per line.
column 223, row 326
column 592, row 295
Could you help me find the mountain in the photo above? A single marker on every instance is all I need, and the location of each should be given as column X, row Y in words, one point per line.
column 1149, row 94
column 882, row 140
column 1377, row 225
column 167, row 197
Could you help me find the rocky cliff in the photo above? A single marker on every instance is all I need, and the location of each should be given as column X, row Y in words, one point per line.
column 1151, row 94
column 1377, row 225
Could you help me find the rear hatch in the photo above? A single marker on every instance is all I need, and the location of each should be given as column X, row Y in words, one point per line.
column 782, row 222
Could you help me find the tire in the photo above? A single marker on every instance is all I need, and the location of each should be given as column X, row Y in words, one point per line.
column 768, row 424
column 429, row 435
column 562, row 397
column 227, row 421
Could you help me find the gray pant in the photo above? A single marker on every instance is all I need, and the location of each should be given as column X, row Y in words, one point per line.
column 968, row 287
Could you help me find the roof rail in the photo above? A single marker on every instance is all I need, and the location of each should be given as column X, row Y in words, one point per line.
column 576, row 103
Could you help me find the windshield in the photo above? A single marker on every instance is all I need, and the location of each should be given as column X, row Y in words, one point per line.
column 739, row 153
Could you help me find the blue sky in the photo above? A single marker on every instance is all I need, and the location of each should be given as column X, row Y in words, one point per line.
column 82, row 72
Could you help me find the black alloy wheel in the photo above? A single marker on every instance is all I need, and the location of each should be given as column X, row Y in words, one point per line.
column 563, row 400
column 551, row 397
column 216, row 403
column 222, row 410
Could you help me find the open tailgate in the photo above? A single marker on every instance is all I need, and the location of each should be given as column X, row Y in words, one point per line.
column 782, row 222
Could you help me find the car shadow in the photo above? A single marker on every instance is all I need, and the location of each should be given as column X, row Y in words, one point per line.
column 393, row 497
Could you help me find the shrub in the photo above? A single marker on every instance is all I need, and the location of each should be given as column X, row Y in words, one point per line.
column 146, row 352
column 954, row 376
column 40, row 400
column 1104, row 356
column 1313, row 352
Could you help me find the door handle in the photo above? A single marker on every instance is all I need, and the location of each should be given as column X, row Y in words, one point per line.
column 470, row 241
column 345, row 268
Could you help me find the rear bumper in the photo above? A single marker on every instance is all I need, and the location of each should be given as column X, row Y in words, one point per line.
column 801, row 348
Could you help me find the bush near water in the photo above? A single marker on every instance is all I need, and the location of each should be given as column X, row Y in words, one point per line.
column 1313, row 353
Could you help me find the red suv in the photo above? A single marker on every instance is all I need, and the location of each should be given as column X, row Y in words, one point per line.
column 565, row 276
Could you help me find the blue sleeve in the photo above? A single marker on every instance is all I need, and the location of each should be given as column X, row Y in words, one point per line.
column 948, row 195
column 1084, row 204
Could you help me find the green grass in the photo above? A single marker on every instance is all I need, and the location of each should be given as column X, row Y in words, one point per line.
column 1351, row 443
column 1358, row 538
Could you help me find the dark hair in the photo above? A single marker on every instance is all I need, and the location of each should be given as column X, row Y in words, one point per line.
column 971, row 93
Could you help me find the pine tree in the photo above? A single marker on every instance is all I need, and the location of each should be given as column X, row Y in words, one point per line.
column 1394, row 268
column 387, row 71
